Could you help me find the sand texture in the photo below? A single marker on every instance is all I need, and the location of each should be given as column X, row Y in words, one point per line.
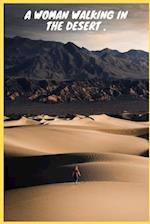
column 40, row 155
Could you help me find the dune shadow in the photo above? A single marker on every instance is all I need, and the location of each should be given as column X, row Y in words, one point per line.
column 145, row 153
column 37, row 170
column 50, row 169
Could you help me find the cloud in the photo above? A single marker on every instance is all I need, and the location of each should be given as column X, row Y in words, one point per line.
column 121, row 35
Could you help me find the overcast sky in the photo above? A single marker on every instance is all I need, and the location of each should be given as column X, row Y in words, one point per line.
column 122, row 35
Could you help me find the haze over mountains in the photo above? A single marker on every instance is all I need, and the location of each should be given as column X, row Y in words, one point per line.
column 50, row 71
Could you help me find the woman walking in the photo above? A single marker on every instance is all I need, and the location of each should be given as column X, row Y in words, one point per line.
column 76, row 174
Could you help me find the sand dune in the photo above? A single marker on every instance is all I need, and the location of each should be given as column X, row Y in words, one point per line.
column 103, row 118
column 88, row 201
column 58, row 168
column 120, row 172
column 55, row 139
column 42, row 117
column 6, row 118
column 105, row 123
column 21, row 122
column 114, row 178
column 102, row 122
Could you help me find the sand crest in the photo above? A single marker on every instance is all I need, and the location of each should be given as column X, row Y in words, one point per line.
column 105, row 123
column 23, row 121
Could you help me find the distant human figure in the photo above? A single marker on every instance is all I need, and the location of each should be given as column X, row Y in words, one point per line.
column 76, row 174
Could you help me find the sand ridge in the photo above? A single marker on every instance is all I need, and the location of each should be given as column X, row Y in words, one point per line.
column 23, row 121
column 104, row 123
column 55, row 140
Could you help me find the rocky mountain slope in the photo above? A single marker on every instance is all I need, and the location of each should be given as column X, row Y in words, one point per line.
column 49, row 71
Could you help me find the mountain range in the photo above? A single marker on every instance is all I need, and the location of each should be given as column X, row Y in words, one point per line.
column 51, row 71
